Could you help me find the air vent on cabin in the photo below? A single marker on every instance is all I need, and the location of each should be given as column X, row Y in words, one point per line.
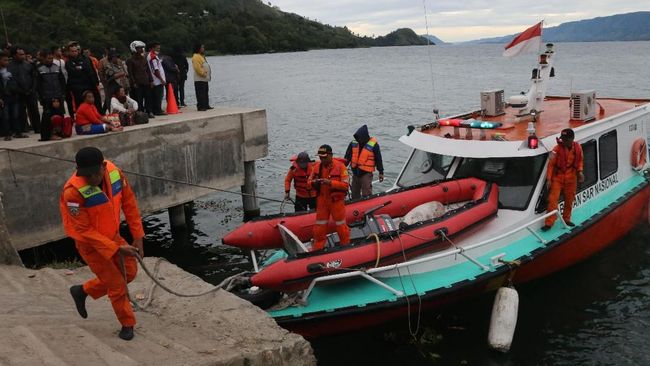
column 583, row 105
column 492, row 102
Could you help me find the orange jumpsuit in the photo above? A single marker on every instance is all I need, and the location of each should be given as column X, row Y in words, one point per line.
column 91, row 216
column 330, row 201
column 562, row 172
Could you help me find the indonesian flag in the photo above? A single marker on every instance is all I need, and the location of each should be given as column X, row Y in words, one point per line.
column 528, row 41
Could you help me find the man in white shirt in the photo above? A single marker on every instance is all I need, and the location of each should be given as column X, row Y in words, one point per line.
column 159, row 81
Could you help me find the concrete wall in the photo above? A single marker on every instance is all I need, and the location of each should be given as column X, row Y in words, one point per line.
column 207, row 148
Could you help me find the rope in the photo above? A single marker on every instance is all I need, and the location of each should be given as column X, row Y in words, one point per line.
column 378, row 248
column 512, row 267
column 416, row 237
column 445, row 237
column 156, row 267
column 408, row 302
column 433, row 84
column 164, row 179
column 284, row 201
column 226, row 284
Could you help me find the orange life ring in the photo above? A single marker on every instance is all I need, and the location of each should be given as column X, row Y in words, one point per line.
column 639, row 154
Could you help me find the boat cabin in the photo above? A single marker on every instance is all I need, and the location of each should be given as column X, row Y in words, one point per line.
column 508, row 143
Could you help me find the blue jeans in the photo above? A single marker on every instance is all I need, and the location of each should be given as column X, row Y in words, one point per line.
column 91, row 129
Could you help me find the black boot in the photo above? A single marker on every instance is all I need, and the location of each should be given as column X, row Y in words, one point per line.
column 79, row 297
column 126, row 333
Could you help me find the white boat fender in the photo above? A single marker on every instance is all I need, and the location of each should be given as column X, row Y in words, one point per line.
column 504, row 319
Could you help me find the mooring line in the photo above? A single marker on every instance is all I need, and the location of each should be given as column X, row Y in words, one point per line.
column 226, row 284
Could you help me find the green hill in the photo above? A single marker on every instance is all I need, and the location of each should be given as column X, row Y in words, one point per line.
column 401, row 37
column 224, row 26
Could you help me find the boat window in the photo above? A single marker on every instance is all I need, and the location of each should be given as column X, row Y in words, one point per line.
column 590, row 165
column 608, row 148
column 516, row 177
column 425, row 167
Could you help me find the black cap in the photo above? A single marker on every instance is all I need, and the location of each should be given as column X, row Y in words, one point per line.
column 303, row 160
column 324, row 150
column 89, row 161
column 567, row 134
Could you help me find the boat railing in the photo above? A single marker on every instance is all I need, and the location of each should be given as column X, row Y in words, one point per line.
column 368, row 274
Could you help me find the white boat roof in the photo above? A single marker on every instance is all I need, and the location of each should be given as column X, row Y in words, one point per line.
column 445, row 140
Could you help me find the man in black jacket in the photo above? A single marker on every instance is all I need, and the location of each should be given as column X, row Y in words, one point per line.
column 171, row 75
column 8, row 125
column 81, row 77
column 23, row 90
column 140, row 78
column 183, row 66
column 51, row 90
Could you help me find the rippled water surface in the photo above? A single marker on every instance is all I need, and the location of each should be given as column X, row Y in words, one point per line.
column 597, row 312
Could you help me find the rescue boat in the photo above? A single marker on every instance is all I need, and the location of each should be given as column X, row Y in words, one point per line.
column 506, row 143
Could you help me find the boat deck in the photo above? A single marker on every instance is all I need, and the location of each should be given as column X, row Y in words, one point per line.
column 554, row 117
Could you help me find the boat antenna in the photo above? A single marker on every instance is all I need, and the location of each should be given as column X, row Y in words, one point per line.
column 4, row 25
column 436, row 112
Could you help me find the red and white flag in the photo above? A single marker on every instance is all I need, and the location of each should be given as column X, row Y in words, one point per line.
column 528, row 41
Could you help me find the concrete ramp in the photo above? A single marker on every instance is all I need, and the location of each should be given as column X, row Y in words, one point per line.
column 40, row 326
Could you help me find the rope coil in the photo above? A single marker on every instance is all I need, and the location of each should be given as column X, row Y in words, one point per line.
column 226, row 284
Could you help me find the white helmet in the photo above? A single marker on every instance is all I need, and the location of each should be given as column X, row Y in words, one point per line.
column 136, row 44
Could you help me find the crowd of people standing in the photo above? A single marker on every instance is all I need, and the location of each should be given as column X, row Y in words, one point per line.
column 76, row 90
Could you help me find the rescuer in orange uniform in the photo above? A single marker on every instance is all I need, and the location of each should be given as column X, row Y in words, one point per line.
column 299, row 173
column 330, row 179
column 90, row 206
column 563, row 173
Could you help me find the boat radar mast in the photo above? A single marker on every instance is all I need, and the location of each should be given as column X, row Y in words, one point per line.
column 533, row 100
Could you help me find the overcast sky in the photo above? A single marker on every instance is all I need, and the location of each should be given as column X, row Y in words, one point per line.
column 454, row 20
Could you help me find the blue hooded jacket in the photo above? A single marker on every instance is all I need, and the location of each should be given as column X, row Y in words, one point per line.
column 362, row 136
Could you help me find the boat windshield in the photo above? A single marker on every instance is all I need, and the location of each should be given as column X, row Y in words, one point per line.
column 424, row 167
column 516, row 177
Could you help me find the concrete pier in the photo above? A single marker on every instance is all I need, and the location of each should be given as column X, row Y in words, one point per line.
column 209, row 148
column 8, row 254
column 40, row 325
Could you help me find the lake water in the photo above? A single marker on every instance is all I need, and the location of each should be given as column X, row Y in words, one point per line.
column 597, row 312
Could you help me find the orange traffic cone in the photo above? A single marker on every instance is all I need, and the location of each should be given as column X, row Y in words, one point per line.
column 172, row 108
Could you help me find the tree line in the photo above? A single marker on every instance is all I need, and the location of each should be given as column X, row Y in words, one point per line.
column 223, row 26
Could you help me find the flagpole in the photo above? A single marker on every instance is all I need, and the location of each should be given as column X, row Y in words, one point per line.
column 541, row 38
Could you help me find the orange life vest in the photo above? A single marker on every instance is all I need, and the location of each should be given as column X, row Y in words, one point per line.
column 364, row 160
column 335, row 174
column 300, row 177
column 102, row 207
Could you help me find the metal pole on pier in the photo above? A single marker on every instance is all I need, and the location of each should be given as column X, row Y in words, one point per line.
column 249, row 190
